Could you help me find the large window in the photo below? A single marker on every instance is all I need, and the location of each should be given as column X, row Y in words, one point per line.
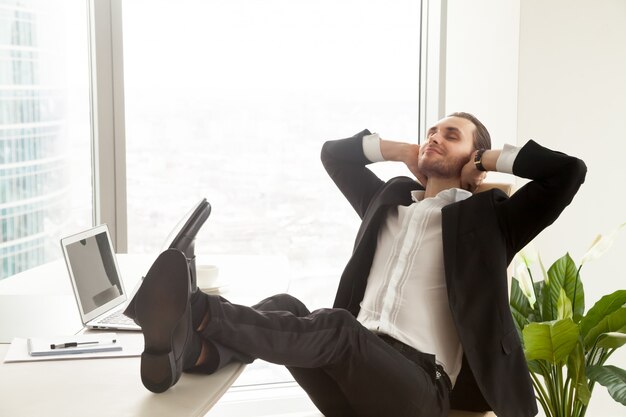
column 45, row 159
column 232, row 100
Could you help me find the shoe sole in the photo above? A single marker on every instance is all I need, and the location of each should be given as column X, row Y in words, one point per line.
column 162, row 306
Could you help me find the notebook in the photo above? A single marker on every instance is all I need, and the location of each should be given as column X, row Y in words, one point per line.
column 96, row 280
column 73, row 345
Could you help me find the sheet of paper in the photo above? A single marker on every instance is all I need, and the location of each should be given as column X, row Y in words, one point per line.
column 131, row 342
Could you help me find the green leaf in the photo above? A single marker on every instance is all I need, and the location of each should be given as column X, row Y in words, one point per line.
column 563, row 275
column 611, row 340
column 520, row 307
column 520, row 323
column 610, row 323
column 551, row 341
column 605, row 306
column 613, row 378
column 576, row 371
column 533, row 366
column 538, row 308
column 564, row 307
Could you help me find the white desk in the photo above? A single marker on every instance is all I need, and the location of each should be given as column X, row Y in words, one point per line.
column 110, row 387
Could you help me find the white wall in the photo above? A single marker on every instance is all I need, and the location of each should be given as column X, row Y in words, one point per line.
column 572, row 97
column 554, row 71
column 482, row 62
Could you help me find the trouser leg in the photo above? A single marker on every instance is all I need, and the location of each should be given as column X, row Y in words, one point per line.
column 321, row 388
column 375, row 379
column 321, row 338
column 378, row 381
column 279, row 302
column 224, row 355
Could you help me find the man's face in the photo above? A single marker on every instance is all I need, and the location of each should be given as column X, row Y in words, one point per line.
column 448, row 147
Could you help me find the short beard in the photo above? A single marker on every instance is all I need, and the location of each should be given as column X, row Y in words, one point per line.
column 442, row 168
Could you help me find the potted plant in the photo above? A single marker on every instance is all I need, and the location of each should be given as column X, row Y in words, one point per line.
column 566, row 348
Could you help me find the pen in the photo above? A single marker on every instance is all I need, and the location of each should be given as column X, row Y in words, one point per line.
column 75, row 344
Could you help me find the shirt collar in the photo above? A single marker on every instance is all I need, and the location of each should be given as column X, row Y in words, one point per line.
column 451, row 195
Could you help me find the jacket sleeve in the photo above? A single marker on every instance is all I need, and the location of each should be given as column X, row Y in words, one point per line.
column 345, row 162
column 556, row 178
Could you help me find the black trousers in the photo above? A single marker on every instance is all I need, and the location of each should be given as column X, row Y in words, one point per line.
column 345, row 369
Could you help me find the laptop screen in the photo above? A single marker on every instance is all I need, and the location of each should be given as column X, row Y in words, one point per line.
column 93, row 268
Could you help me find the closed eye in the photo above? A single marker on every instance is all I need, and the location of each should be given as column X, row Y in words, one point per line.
column 452, row 133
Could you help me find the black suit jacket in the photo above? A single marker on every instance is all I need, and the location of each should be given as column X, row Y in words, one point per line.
column 480, row 237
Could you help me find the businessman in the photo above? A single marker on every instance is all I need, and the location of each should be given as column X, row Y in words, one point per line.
column 421, row 319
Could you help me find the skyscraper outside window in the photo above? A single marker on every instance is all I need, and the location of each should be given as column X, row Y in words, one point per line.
column 45, row 163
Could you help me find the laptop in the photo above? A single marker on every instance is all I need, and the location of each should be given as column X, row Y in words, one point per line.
column 96, row 280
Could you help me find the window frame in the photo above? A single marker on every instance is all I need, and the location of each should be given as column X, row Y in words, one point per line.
column 106, row 66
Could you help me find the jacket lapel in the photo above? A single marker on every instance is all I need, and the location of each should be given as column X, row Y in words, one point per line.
column 449, row 227
column 395, row 193
column 354, row 278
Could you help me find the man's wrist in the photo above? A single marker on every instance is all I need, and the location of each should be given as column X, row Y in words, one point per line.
column 506, row 159
column 394, row 151
column 500, row 160
column 489, row 158
column 478, row 156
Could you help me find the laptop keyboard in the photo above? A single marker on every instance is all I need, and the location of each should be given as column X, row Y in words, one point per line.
column 117, row 318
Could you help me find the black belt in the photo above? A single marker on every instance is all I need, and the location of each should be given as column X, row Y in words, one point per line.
column 421, row 359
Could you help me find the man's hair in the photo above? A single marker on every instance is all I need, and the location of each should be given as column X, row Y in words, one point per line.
column 482, row 139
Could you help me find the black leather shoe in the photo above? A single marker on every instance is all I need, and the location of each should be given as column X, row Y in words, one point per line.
column 163, row 311
column 130, row 308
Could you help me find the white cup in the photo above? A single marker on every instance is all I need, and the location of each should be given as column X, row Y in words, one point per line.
column 206, row 276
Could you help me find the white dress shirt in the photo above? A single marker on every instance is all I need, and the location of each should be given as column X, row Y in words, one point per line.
column 406, row 295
